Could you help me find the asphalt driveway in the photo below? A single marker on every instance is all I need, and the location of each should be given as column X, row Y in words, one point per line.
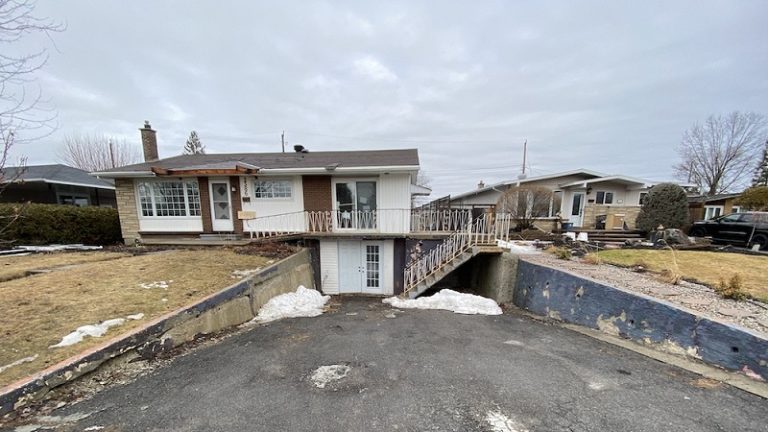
column 416, row 371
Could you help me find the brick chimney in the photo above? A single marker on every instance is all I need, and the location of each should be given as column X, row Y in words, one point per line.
column 149, row 142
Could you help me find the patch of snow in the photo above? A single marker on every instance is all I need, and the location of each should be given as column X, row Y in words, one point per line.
column 323, row 375
column 137, row 316
column 514, row 343
column 157, row 284
column 457, row 302
column 501, row 423
column 93, row 428
column 18, row 362
column 92, row 330
column 242, row 274
column 519, row 247
column 596, row 386
column 302, row 303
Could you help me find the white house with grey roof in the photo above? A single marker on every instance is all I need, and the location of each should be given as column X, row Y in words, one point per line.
column 585, row 198
column 352, row 207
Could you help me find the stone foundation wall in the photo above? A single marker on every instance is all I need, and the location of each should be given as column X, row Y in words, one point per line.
column 591, row 211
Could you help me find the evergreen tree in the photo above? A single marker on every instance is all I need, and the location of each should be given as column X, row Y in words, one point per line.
column 761, row 173
column 193, row 145
column 666, row 204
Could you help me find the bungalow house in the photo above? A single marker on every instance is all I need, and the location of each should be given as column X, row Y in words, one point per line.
column 352, row 208
column 703, row 207
column 585, row 198
column 56, row 184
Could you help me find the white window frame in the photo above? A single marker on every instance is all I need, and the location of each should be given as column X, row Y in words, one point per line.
column 288, row 181
column 736, row 209
column 154, row 216
column 715, row 209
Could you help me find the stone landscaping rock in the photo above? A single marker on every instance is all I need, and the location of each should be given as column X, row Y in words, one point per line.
column 693, row 301
column 736, row 313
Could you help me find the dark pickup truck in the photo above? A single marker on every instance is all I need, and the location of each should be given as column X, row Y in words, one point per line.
column 747, row 229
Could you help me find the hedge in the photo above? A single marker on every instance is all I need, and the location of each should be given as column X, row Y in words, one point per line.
column 58, row 224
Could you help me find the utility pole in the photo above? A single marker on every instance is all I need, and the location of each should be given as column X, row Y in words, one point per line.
column 282, row 140
column 112, row 153
column 525, row 155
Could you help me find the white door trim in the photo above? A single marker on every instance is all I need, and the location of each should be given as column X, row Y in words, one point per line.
column 220, row 225
column 577, row 220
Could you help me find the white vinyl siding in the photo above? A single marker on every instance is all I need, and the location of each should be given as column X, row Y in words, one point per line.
column 329, row 262
column 263, row 207
column 395, row 195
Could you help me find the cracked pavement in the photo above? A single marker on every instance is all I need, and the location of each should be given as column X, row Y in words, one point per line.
column 419, row 371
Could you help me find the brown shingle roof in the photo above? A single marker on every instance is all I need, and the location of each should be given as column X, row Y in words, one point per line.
column 361, row 158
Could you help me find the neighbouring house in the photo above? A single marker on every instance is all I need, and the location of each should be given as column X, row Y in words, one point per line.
column 352, row 208
column 56, row 184
column 703, row 207
column 585, row 198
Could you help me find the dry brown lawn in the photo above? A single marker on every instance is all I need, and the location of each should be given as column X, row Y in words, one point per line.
column 13, row 267
column 705, row 267
column 37, row 311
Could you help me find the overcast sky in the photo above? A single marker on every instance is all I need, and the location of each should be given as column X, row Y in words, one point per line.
column 608, row 86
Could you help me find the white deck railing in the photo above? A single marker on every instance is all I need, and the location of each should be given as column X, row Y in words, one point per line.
column 376, row 221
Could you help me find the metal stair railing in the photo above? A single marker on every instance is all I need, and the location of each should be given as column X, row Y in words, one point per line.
column 480, row 231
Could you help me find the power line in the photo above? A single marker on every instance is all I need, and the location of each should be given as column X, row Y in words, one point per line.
column 430, row 141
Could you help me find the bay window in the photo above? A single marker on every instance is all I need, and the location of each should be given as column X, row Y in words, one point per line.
column 169, row 198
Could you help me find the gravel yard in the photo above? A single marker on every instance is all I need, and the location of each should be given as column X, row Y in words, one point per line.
column 700, row 298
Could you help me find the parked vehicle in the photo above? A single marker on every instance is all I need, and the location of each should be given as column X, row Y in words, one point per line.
column 747, row 229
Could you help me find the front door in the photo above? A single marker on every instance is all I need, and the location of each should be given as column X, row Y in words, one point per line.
column 576, row 216
column 221, row 205
column 360, row 267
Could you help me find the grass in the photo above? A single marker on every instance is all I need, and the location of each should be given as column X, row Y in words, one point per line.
column 14, row 267
column 709, row 268
column 37, row 311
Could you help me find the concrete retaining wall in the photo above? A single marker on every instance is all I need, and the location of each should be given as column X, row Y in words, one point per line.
column 231, row 306
column 564, row 296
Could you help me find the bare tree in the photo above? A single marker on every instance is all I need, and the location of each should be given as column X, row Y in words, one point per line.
column 97, row 152
column 22, row 114
column 718, row 154
column 525, row 204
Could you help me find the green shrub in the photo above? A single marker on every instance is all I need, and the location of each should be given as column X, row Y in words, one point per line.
column 666, row 204
column 36, row 224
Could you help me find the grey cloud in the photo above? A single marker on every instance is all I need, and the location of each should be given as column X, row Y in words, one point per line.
column 608, row 86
